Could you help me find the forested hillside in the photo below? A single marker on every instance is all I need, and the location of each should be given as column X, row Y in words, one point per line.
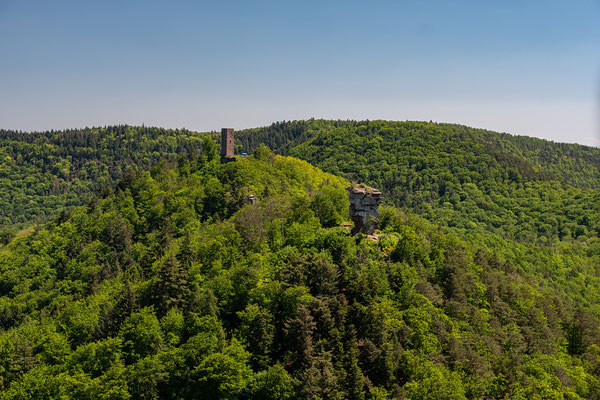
column 43, row 172
column 157, row 278
column 173, row 286
column 520, row 188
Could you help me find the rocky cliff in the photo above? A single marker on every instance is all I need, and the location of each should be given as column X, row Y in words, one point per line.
column 364, row 208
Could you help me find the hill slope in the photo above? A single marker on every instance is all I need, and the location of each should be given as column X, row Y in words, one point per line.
column 517, row 187
column 41, row 173
column 521, row 188
column 173, row 287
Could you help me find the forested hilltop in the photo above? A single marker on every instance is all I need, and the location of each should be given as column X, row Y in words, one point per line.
column 41, row 173
column 532, row 202
column 521, row 188
column 172, row 285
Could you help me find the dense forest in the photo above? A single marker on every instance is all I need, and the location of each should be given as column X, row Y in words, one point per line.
column 533, row 202
column 44, row 172
column 523, row 188
column 519, row 187
column 159, row 278
column 173, row 286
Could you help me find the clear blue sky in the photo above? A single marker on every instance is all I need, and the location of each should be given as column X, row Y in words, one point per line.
column 524, row 67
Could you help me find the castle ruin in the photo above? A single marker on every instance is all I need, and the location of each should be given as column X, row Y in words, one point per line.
column 227, row 144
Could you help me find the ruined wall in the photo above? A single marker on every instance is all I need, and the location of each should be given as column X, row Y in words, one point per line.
column 364, row 208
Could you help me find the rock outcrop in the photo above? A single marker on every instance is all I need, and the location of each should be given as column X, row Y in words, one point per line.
column 364, row 208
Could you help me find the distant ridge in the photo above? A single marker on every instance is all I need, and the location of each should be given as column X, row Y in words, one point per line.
column 427, row 168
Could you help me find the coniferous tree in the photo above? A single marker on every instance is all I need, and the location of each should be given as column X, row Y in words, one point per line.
column 299, row 331
column 172, row 284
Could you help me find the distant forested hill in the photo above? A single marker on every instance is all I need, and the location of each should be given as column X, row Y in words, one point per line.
column 43, row 172
column 574, row 164
column 521, row 188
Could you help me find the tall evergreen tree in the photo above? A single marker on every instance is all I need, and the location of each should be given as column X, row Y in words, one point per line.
column 172, row 285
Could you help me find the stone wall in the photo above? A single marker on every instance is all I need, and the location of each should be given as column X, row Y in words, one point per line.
column 364, row 208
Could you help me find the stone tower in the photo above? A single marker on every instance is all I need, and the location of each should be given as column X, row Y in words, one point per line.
column 227, row 144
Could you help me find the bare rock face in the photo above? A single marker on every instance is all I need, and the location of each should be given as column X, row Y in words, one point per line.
column 364, row 208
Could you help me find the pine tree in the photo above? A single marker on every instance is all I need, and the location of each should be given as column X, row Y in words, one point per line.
column 355, row 380
column 185, row 254
column 300, row 333
column 172, row 285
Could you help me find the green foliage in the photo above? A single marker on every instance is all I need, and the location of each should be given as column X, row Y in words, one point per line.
column 141, row 335
column 514, row 186
column 273, row 384
column 173, row 286
column 42, row 173
column 330, row 207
